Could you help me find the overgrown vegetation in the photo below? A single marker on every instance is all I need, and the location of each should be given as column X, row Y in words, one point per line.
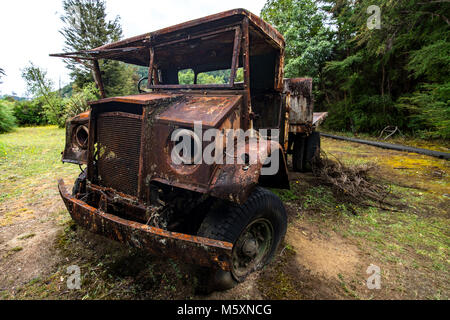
column 370, row 78
column 86, row 26
column 7, row 119
column 410, row 244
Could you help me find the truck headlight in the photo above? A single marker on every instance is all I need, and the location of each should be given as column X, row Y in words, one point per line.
column 81, row 136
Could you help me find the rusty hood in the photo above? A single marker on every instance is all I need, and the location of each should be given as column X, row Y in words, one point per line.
column 211, row 111
column 185, row 109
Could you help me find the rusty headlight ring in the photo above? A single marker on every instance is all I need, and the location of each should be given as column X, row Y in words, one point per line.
column 81, row 136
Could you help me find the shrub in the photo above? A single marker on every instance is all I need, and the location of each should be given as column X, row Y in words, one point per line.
column 78, row 103
column 370, row 113
column 54, row 109
column 7, row 119
column 29, row 112
column 429, row 110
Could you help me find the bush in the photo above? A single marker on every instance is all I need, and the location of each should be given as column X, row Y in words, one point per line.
column 429, row 110
column 29, row 112
column 7, row 119
column 368, row 114
column 78, row 103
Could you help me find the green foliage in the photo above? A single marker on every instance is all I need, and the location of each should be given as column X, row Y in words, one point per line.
column 308, row 39
column 370, row 78
column 86, row 27
column 29, row 112
column 41, row 88
column 186, row 76
column 431, row 61
column 7, row 119
column 429, row 110
column 213, row 77
column 78, row 102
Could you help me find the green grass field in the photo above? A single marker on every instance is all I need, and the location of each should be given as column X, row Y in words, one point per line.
column 410, row 241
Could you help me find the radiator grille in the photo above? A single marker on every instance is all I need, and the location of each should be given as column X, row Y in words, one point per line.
column 118, row 147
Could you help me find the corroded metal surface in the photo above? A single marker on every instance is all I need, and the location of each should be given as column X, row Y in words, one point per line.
column 74, row 152
column 118, row 151
column 207, row 110
column 300, row 102
column 319, row 117
column 191, row 249
column 131, row 176
column 136, row 99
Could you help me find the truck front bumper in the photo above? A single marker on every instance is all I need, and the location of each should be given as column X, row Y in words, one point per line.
column 191, row 249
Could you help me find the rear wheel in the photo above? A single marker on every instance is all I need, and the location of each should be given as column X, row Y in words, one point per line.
column 305, row 150
column 255, row 228
column 312, row 150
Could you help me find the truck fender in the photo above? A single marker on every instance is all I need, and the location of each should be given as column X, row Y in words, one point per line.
column 235, row 182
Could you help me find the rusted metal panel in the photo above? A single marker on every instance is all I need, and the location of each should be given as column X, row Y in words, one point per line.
column 299, row 101
column 235, row 182
column 220, row 112
column 210, row 111
column 76, row 151
column 319, row 117
column 134, row 50
column 98, row 79
column 152, row 37
column 118, row 151
column 188, row 248
column 136, row 99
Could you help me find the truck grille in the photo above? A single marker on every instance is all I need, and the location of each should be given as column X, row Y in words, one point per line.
column 118, row 147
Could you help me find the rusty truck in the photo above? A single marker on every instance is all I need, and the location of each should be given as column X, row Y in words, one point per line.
column 221, row 217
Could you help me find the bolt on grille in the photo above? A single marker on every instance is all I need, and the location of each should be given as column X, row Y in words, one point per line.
column 118, row 149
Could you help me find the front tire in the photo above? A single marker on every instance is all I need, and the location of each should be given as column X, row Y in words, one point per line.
column 256, row 228
column 80, row 184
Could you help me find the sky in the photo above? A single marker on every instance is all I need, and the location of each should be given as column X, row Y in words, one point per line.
column 29, row 30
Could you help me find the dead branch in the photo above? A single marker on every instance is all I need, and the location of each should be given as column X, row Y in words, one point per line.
column 352, row 182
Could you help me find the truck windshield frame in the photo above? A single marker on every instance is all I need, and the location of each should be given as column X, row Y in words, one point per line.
column 153, row 77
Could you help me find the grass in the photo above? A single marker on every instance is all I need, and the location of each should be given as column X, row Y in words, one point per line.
column 411, row 243
column 30, row 163
column 436, row 145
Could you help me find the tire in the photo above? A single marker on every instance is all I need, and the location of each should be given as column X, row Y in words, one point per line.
column 298, row 153
column 262, row 214
column 80, row 184
column 312, row 150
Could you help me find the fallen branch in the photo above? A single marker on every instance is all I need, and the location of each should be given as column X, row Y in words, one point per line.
column 352, row 182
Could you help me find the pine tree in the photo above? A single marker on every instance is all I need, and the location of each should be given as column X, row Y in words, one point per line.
column 87, row 27
column 2, row 73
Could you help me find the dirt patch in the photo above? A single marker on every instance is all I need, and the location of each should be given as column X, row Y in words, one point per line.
column 27, row 255
column 247, row 290
column 327, row 257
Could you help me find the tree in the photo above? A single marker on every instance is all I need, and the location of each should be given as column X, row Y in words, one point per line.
column 370, row 78
column 86, row 27
column 308, row 39
column 40, row 87
column 2, row 73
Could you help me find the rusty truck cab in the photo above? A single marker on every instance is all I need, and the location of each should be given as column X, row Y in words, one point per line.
column 130, row 190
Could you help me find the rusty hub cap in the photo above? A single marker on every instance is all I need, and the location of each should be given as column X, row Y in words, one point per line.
column 252, row 247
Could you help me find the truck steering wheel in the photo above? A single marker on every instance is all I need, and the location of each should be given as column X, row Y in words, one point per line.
column 139, row 84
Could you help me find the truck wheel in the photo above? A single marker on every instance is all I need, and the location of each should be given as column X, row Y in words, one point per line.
column 312, row 150
column 255, row 228
column 305, row 150
column 80, row 184
column 298, row 153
